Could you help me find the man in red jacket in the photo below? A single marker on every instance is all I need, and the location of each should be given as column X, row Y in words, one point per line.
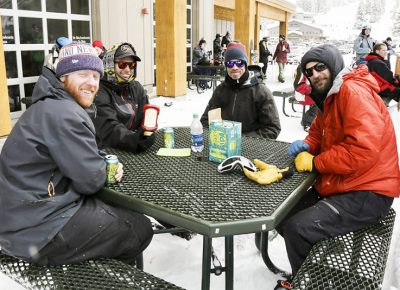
column 280, row 54
column 352, row 145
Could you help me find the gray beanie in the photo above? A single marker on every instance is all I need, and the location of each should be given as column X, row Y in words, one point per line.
column 236, row 50
column 78, row 56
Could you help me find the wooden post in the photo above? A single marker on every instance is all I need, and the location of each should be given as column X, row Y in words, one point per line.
column 171, row 48
column 244, row 23
column 283, row 25
column 5, row 120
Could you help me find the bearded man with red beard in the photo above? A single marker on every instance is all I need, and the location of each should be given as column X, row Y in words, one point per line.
column 50, row 167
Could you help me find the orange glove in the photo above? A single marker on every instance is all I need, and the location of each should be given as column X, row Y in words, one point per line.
column 304, row 162
column 267, row 174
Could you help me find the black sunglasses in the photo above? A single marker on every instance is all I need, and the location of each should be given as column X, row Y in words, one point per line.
column 233, row 162
column 123, row 65
column 230, row 63
column 319, row 67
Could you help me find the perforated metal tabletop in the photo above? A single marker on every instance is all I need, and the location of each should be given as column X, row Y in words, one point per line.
column 192, row 194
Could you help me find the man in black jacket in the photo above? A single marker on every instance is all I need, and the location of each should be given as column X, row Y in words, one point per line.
column 50, row 167
column 264, row 54
column 244, row 98
column 377, row 66
column 120, row 102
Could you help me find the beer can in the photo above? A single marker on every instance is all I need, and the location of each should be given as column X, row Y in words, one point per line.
column 169, row 138
column 111, row 168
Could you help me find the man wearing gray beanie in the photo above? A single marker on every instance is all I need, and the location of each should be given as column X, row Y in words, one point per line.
column 244, row 98
column 352, row 145
column 50, row 167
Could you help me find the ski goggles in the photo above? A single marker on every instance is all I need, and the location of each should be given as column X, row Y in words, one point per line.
column 239, row 63
column 123, row 65
column 319, row 67
column 234, row 162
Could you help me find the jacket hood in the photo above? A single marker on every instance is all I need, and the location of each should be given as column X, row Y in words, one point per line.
column 359, row 74
column 49, row 86
column 327, row 54
column 109, row 64
column 373, row 56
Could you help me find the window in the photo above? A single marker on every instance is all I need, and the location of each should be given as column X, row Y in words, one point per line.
column 58, row 6
column 81, row 31
column 11, row 64
column 34, row 5
column 30, row 30
column 7, row 23
column 56, row 28
column 32, row 62
column 14, row 98
column 6, row 4
column 80, row 7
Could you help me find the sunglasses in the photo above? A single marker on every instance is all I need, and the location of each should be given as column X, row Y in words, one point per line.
column 239, row 63
column 234, row 162
column 123, row 65
column 319, row 67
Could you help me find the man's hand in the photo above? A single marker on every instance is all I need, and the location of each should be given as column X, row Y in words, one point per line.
column 298, row 146
column 119, row 172
column 267, row 174
column 304, row 162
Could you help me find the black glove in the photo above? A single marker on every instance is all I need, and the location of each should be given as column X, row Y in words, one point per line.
column 145, row 142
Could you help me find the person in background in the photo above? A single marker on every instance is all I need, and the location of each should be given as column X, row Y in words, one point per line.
column 388, row 85
column 363, row 45
column 281, row 51
column 226, row 39
column 244, row 98
column 51, row 60
column 390, row 50
column 120, row 102
column 217, row 50
column 352, row 146
column 201, row 57
column 100, row 49
column 264, row 54
column 50, row 168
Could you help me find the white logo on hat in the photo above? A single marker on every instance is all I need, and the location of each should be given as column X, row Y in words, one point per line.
column 75, row 60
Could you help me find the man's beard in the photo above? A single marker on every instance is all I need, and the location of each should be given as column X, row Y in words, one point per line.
column 324, row 89
column 83, row 100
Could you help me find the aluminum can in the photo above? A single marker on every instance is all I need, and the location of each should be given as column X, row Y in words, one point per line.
column 169, row 138
column 111, row 168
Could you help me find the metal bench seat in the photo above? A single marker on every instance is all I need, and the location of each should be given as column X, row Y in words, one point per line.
column 192, row 77
column 353, row 261
column 92, row 274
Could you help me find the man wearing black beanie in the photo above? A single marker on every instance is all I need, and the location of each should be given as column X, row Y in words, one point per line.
column 244, row 98
column 352, row 145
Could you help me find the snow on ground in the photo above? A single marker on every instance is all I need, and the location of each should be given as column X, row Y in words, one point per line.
column 179, row 261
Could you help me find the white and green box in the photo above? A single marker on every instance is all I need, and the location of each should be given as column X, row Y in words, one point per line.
column 225, row 140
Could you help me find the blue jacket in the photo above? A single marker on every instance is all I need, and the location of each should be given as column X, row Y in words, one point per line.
column 362, row 46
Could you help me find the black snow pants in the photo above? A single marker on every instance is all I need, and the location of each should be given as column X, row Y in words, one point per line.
column 98, row 230
column 315, row 218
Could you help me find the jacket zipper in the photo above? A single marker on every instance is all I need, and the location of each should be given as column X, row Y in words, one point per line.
column 234, row 103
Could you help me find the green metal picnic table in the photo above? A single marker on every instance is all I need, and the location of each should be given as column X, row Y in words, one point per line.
column 189, row 192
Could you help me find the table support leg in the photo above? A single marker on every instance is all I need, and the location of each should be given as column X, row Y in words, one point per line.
column 229, row 262
column 266, row 258
column 205, row 280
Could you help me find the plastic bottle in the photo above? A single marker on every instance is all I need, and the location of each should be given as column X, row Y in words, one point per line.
column 196, row 130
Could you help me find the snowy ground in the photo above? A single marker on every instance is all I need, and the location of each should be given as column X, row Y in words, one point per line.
column 179, row 261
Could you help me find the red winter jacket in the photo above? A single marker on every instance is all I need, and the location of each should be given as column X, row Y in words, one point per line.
column 281, row 51
column 353, row 140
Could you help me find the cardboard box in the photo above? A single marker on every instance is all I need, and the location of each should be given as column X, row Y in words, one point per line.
column 225, row 140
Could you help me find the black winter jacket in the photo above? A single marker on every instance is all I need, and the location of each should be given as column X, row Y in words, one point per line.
column 252, row 104
column 54, row 140
column 119, row 116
